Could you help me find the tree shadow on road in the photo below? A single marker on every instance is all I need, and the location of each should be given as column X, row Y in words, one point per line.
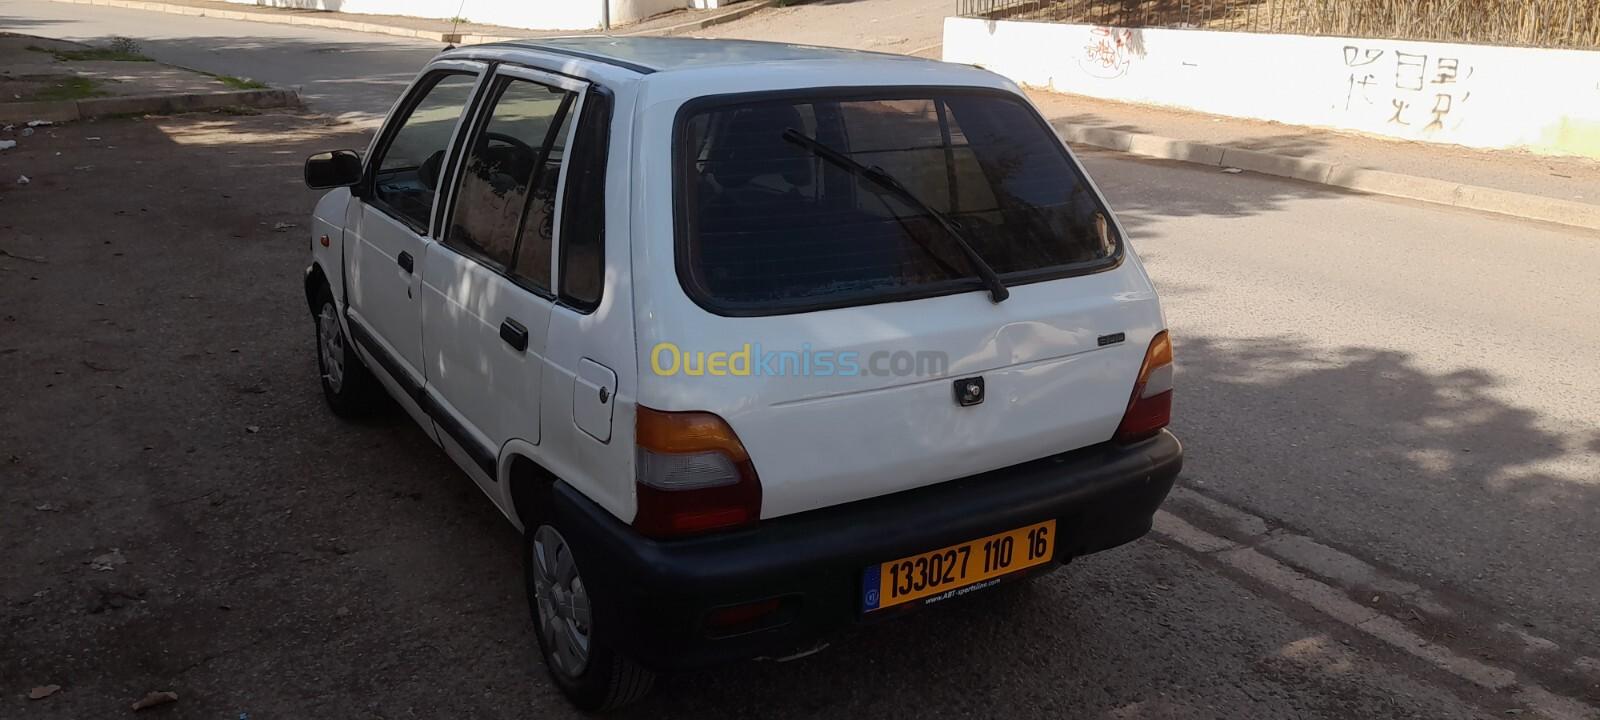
column 1369, row 449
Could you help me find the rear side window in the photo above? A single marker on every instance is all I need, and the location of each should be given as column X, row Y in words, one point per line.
column 767, row 225
column 584, row 210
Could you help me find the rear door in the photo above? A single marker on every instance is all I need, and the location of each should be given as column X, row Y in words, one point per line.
column 862, row 356
column 393, row 217
column 591, row 381
column 487, row 286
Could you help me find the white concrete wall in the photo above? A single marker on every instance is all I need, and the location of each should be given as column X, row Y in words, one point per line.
column 1477, row 95
column 532, row 14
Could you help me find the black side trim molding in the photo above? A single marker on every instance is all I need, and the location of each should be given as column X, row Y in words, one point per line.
column 391, row 365
column 482, row 455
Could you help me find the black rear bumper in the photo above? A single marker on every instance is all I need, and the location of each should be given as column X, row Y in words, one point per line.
column 662, row 591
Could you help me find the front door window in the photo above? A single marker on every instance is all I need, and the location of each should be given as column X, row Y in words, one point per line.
column 406, row 181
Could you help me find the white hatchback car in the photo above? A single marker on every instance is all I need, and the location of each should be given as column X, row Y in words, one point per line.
column 754, row 342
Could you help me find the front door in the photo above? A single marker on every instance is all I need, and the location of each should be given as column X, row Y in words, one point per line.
column 395, row 214
column 486, row 289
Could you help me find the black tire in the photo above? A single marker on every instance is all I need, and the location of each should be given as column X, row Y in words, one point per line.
column 352, row 391
column 609, row 680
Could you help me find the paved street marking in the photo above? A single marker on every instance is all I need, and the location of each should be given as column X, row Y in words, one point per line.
column 1332, row 602
column 1242, row 524
column 1188, row 535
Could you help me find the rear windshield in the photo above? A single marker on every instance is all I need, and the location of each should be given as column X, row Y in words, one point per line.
column 768, row 225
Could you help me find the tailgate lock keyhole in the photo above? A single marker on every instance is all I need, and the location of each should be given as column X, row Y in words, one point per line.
column 604, row 394
column 969, row 391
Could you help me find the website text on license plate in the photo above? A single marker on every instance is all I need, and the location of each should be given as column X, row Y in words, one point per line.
column 953, row 568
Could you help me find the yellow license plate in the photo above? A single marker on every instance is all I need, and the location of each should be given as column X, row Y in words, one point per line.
column 958, row 569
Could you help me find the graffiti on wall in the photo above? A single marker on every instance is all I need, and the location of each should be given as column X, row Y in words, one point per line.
column 1406, row 89
column 1109, row 52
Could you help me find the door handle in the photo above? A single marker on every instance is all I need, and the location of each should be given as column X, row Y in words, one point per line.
column 514, row 334
column 405, row 261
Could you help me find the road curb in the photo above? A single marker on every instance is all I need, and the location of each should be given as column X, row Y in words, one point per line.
column 1378, row 182
column 743, row 10
column 68, row 110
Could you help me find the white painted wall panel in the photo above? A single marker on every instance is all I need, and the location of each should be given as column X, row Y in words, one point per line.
column 1477, row 95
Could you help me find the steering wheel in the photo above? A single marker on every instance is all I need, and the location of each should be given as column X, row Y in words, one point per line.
column 511, row 140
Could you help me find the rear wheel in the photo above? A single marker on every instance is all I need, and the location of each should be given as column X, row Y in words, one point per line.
column 346, row 382
column 574, row 644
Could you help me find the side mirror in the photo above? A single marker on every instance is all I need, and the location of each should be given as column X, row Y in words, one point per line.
column 339, row 168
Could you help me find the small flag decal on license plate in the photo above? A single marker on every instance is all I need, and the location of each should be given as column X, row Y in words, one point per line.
column 870, row 581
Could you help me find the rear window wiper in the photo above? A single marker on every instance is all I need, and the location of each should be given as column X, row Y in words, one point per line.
column 997, row 289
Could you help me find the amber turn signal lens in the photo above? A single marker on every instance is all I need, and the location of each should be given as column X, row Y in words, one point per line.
column 687, row 432
column 1159, row 354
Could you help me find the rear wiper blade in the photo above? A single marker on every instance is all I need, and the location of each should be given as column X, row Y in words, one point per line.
column 997, row 289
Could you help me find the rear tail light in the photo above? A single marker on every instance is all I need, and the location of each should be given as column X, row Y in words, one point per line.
column 692, row 475
column 1150, row 408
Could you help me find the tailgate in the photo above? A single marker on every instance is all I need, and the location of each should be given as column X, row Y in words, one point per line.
column 820, row 437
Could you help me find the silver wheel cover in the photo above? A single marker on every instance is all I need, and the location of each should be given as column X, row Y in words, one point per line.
column 564, row 613
column 330, row 345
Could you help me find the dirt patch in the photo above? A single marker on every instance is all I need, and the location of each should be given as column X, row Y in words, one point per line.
column 181, row 513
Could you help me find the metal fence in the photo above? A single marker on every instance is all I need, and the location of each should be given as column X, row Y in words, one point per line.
column 1535, row 23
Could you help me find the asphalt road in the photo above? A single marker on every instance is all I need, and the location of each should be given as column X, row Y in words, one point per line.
column 1410, row 384
column 355, row 76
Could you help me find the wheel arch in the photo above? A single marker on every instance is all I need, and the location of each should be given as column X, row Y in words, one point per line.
column 316, row 279
column 527, row 487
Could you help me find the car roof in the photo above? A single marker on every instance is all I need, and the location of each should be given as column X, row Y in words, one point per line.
column 669, row 69
column 647, row 55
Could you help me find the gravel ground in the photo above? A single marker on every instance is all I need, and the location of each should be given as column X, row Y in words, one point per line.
column 181, row 513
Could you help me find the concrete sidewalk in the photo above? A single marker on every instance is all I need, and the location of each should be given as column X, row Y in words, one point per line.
column 1567, row 178
column 54, row 80
column 1560, row 190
